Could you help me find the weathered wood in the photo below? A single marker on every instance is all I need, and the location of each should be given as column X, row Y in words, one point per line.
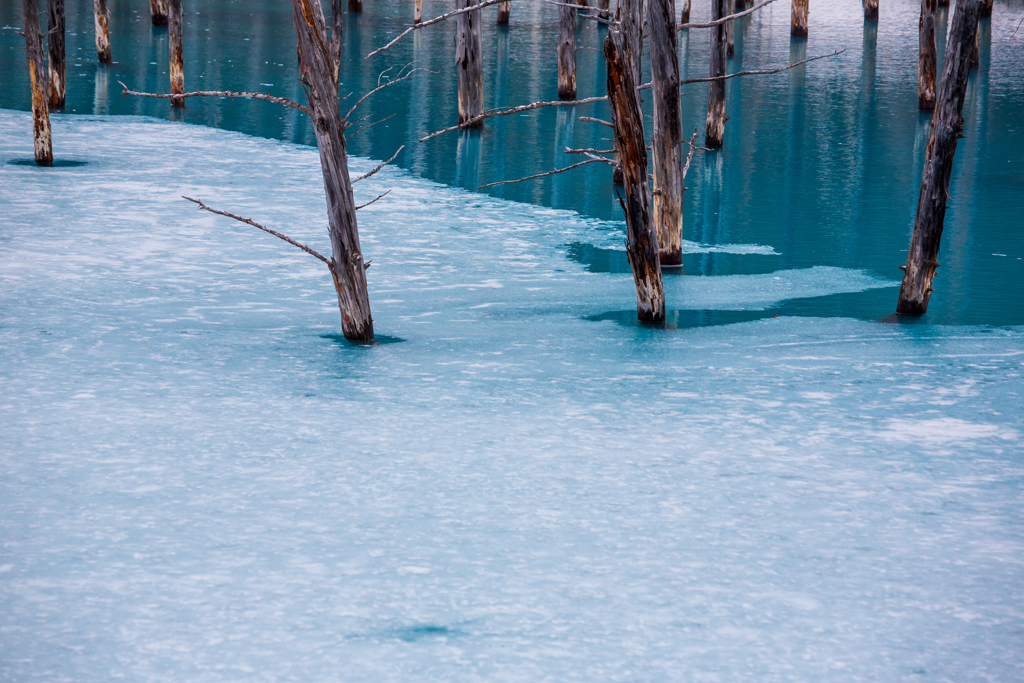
column 469, row 63
column 730, row 36
column 871, row 9
column 42, row 143
column 986, row 8
column 566, row 53
column 947, row 129
column 641, row 236
column 666, row 139
column 101, row 21
column 355, row 6
column 798, row 16
column 926, row 57
column 714, row 132
column 504, row 10
column 158, row 12
column 685, row 16
column 337, row 28
column 347, row 268
column 631, row 27
column 57, row 63
column 177, row 70
column 976, row 50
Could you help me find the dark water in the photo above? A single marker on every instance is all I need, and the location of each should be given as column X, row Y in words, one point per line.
column 821, row 162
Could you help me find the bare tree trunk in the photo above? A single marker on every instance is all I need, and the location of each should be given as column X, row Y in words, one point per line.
column 57, row 63
column 668, row 131
column 947, row 128
column 347, row 267
column 799, row 18
column 871, row 10
column 566, row 53
column 976, row 51
column 714, row 132
column 468, row 60
column 504, row 10
column 986, row 8
column 926, row 57
column 355, row 5
column 685, row 18
column 174, row 21
column 943, row 3
column 632, row 30
column 158, row 12
column 42, row 143
column 101, row 14
column 336, row 32
column 730, row 36
column 641, row 237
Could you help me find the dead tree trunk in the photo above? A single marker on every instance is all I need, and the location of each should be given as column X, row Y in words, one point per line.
column 685, row 17
column 355, row 6
column 730, row 36
column 668, row 131
column 976, row 51
column 602, row 9
column 57, row 63
column 714, row 132
column 799, row 13
column 947, row 129
column 468, row 60
column 336, row 31
column 641, row 237
column 739, row 5
column 158, row 12
column 504, row 10
column 871, row 10
column 42, row 143
column 926, row 57
column 632, row 29
column 174, row 20
column 101, row 14
column 986, row 8
column 566, row 53
column 347, row 267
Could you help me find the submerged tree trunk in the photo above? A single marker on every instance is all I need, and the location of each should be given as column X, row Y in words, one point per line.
column 986, row 8
column 730, row 35
column 947, row 128
column 174, row 20
column 714, row 132
column 347, row 268
column 799, row 18
column 468, row 61
column 101, row 14
column 871, row 9
column 566, row 53
column 926, row 57
column 158, row 12
column 685, row 17
column 336, row 32
column 668, row 131
column 641, row 237
column 42, row 144
column 57, row 63
column 355, row 6
column 504, row 10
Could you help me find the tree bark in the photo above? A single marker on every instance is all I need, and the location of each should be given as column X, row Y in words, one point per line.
column 347, row 267
column 158, row 12
column 926, row 57
column 685, row 17
column 566, row 53
column 947, row 128
column 602, row 9
column 871, row 9
column 355, row 6
column 57, row 63
column 799, row 13
column 730, row 37
column 714, row 132
column 641, row 237
column 101, row 15
column 666, row 139
column 504, row 10
column 42, row 143
column 469, row 63
column 174, row 21
column 336, row 33
column 632, row 30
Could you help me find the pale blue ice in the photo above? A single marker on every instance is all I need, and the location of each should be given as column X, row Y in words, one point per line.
column 200, row 481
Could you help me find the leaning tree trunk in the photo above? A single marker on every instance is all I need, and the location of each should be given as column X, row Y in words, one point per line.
column 174, row 20
column 926, row 57
column 347, row 265
column 566, row 53
column 158, row 12
column 101, row 15
column 714, row 132
column 42, row 142
column 947, row 128
column 799, row 18
column 469, row 63
column 355, row 5
column 504, row 10
column 336, row 30
column 628, row 124
column 871, row 9
column 668, row 131
column 57, row 63
column 730, row 37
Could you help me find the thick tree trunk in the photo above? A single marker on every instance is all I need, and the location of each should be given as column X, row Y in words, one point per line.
column 101, row 15
column 986, row 8
column 355, row 5
column 714, row 132
column 641, row 237
column 739, row 5
column 668, row 131
column 174, row 21
column 347, row 259
column 685, row 16
column 336, row 33
column 947, row 128
column 799, row 13
column 926, row 57
column 504, row 10
column 566, row 53
column 871, row 10
column 42, row 142
column 57, row 63
column 469, row 63
column 158, row 12
column 730, row 36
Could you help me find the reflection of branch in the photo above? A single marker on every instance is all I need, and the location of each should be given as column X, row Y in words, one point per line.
column 541, row 175
column 369, row 125
column 515, row 110
column 716, row 22
column 756, row 72
column 221, row 93
column 373, row 200
column 412, row 28
column 381, row 87
column 378, row 167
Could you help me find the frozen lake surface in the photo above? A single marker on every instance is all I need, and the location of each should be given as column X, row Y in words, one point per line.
column 200, row 481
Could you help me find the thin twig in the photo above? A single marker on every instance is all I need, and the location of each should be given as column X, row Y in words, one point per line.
column 587, row 15
column 514, row 110
column 220, row 93
column 716, row 22
column 373, row 200
column 756, row 72
column 593, row 120
column 378, row 167
column 689, row 155
column 540, row 175
column 370, row 125
column 423, row 24
column 585, row 150
column 381, row 87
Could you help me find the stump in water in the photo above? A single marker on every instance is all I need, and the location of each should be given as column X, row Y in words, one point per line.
column 101, row 15
column 174, row 19
column 871, row 9
column 714, row 132
column 641, row 238
column 42, row 143
column 355, row 5
column 947, row 128
column 158, row 12
column 668, row 131
column 798, row 15
column 986, row 8
column 336, row 31
column 685, row 18
column 347, row 267
column 57, row 63
column 504, row 10
column 566, row 53
column 469, row 63
column 730, row 36
column 926, row 57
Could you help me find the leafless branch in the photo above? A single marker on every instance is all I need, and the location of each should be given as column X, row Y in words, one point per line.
column 592, row 120
column 756, row 72
column 378, row 167
column 716, row 22
column 363, row 206
column 514, row 110
column 369, row 125
column 220, row 93
column 424, row 24
column 586, row 150
column 381, row 87
column 541, row 175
